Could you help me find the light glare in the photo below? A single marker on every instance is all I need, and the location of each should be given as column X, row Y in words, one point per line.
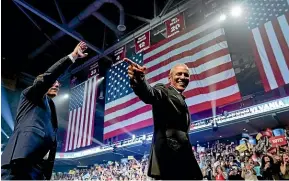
column 66, row 96
column 223, row 17
column 236, row 11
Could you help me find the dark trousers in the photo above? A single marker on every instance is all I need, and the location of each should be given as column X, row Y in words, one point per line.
column 22, row 170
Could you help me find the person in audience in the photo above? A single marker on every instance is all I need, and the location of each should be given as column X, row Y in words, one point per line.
column 219, row 173
column 30, row 151
column 269, row 169
column 284, row 167
column 248, row 173
column 171, row 155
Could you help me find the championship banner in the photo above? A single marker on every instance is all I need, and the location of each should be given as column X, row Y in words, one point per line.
column 175, row 25
column 278, row 141
column 142, row 42
column 93, row 70
column 119, row 54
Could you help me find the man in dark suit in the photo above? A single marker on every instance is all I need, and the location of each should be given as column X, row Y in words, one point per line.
column 171, row 156
column 30, row 151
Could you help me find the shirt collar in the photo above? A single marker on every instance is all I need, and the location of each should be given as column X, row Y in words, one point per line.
column 178, row 92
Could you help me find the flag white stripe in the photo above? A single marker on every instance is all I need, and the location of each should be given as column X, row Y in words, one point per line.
column 120, row 101
column 219, row 94
column 82, row 116
column 284, row 27
column 264, row 58
column 133, row 120
column 77, row 128
column 280, row 59
column 72, row 129
column 193, row 58
column 180, row 39
column 68, row 131
column 192, row 85
column 94, row 86
column 186, row 47
column 86, row 114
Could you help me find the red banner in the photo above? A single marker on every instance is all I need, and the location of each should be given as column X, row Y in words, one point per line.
column 278, row 141
column 175, row 25
column 142, row 42
column 119, row 54
column 93, row 70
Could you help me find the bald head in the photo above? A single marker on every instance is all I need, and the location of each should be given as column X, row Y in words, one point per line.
column 179, row 77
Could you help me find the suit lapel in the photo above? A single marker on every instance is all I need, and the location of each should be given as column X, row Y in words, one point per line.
column 183, row 102
column 178, row 95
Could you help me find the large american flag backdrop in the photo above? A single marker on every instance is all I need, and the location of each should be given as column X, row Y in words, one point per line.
column 268, row 22
column 203, row 48
column 81, row 114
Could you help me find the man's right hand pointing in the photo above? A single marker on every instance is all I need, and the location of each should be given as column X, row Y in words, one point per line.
column 135, row 71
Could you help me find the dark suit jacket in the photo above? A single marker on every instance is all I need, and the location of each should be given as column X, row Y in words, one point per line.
column 36, row 123
column 171, row 154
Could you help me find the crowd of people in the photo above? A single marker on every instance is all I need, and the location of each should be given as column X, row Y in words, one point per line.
column 246, row 161
column 253, row 159
column 132, row 169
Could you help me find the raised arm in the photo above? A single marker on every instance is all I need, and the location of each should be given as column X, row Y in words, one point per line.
column 42, row 84
column 141, row 87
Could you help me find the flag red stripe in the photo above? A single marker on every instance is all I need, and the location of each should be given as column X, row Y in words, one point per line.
column 189, row 93
column 271, row 56
column 281, row 40
column 204, row 106
column 89, row 110
column 78, row 128
column 93, row 116
column 73, row 131
column 139, row 125
column 180, row 44
column 185, row 54
column 127, row 116
column 259, row 63
column 85, row 106
column 208, row 58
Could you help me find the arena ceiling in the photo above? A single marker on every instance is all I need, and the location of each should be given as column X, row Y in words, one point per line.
column 23, row 33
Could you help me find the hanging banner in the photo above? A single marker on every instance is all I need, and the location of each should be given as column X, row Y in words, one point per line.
column 175, row 25
column 119, row 54
column 93, row 70
column 142, row 42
